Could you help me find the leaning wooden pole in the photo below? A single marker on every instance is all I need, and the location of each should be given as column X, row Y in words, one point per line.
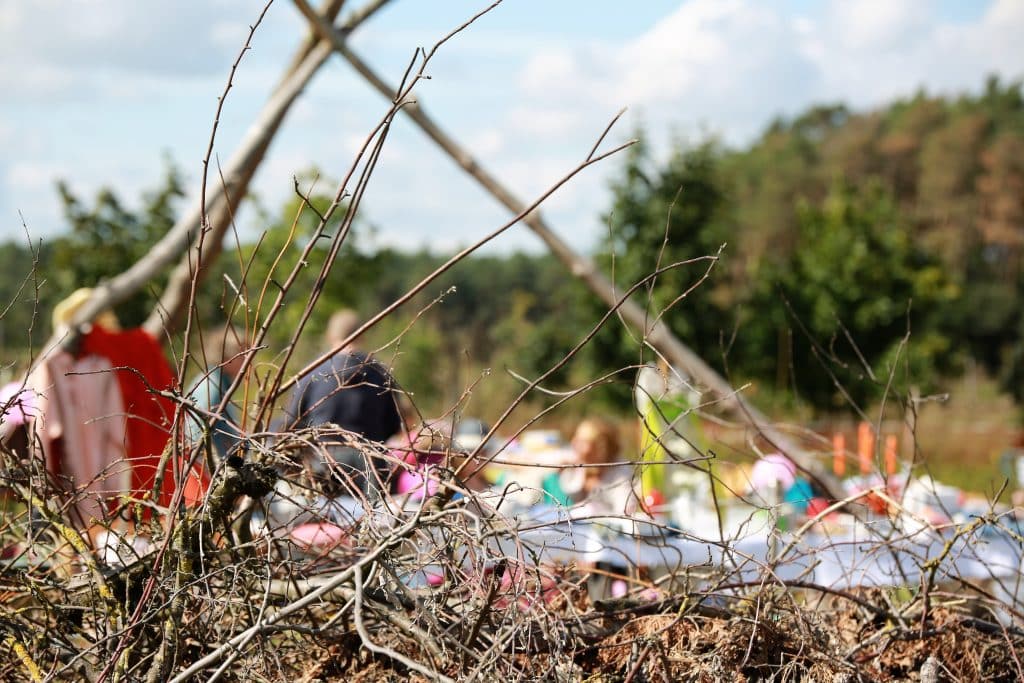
column 657, row 334
column 235, row 183
column 206, row 245
column 237, row 174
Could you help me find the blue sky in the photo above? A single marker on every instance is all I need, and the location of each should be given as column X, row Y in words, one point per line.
column 100, row 92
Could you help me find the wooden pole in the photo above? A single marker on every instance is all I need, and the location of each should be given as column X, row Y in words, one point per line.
column 237, row 173
column 242, row 167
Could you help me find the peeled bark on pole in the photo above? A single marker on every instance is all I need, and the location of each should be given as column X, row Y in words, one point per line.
column 657, row 334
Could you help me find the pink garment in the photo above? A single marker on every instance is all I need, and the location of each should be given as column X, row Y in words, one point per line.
column 17, row 402
column 81, row 425
column 417, row 483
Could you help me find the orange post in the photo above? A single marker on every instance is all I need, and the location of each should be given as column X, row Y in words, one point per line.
column 865, row 447
column 839, row 454
column 890, row 454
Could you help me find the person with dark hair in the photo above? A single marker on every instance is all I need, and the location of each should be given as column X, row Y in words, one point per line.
column 356, row 395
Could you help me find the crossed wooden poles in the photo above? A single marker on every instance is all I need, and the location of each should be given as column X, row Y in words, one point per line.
column 196, row 239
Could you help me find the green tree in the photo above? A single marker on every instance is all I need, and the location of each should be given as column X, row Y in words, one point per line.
column 20, row 305
column 269, row 261
column 107, row 237
column 852, row 291
column 660, row 216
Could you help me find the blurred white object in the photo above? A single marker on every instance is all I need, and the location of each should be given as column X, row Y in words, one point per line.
column 930, row 501
column 540, row 446
column 572, row 480
column 771, row 469
column 694, row 501
column 120, row 550
column 541, row 439
column 286, row 506
column 470, row 433
column 637, row 524
column 525, row 463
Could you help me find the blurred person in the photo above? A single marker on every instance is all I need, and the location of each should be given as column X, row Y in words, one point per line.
column 435, row 446
column 525, row 463
column 775, row 479
column 223, row 352
column 354, row 393
column 402, row 447
column 1011, row 465
column 599, row 482
column 418, row 457
column 1017, row 501
column 670, row 429
column 17, row 407
column 102, row 416
column 597, row 477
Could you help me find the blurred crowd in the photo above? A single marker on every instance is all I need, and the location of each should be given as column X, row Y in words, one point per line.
column 103, row 409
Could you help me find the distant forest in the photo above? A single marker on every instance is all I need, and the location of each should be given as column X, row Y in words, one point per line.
column 864, row 252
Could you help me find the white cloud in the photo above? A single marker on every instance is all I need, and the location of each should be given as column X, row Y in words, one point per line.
column 488, row 142
column 121, row 34
column 997, row 38
column 544, row 120
column 531, row 178
column 30, row 197
column 39, row 81
column 696, row 48
column 27, row 176
column 878, row 24
column 7, row 132
column 876, row 53
column 50, row 47
column 723, row 62
column 547, row 67
column 734, row 64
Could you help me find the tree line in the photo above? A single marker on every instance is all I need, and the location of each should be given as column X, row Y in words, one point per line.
column 860, row 253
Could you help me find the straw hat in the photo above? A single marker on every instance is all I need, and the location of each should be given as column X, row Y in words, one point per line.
column 64, row 312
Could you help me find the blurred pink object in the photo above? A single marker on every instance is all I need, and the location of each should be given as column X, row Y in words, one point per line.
column 318, row 535
column 771, row 469
column 18, row 403
column 416, row 480
column 416, row 483
column 525, row 589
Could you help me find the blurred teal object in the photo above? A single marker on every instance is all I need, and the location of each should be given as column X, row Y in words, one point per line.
column 553, row 491
column 799, row 495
